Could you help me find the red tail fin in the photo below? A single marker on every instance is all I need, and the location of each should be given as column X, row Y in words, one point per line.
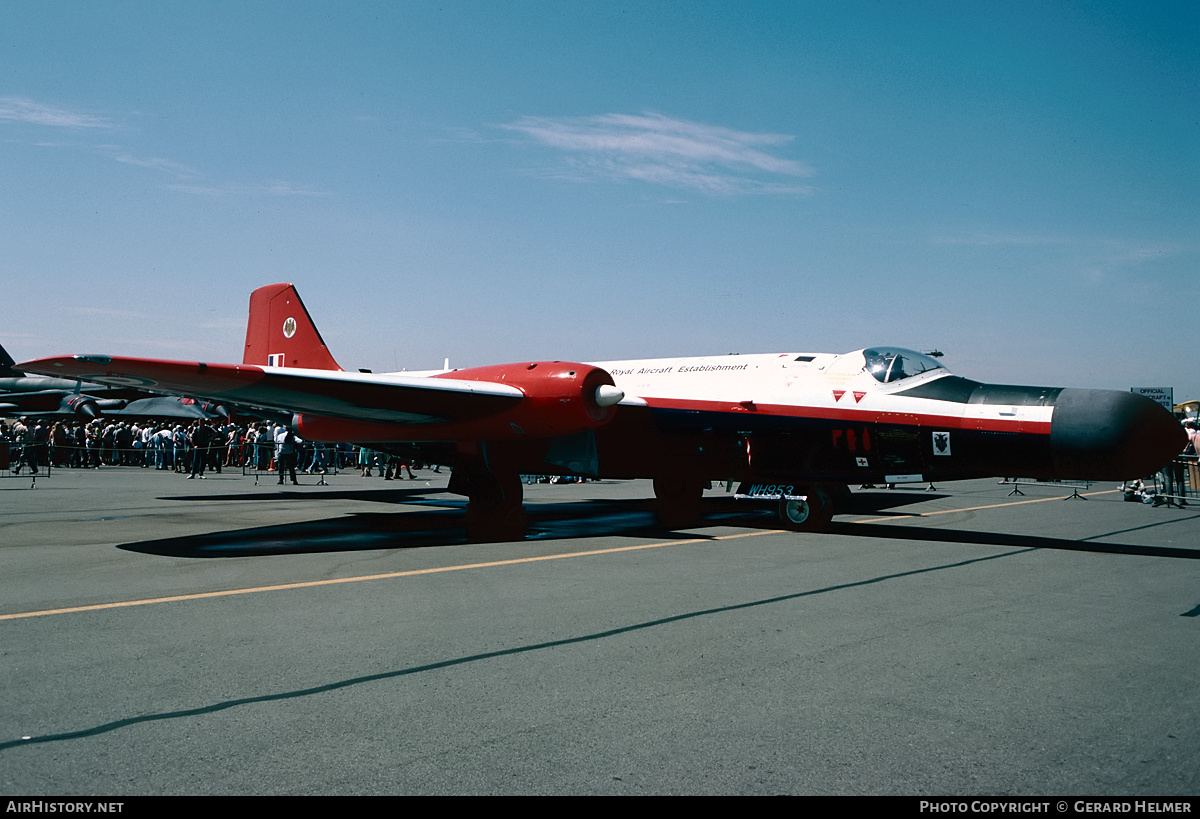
column 280, row 333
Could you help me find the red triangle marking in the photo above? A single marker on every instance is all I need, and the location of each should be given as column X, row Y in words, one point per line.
column 837, row 395
column 858, row 396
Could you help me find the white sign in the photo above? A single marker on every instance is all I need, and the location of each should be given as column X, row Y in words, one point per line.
column 1163, row 395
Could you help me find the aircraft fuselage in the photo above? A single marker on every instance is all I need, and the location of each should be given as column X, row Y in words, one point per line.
column 828, row 417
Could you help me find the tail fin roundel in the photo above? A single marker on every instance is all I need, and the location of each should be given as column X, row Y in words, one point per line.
column 280, row 333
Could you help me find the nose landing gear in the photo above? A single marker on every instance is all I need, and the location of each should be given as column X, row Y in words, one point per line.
column 809, row 515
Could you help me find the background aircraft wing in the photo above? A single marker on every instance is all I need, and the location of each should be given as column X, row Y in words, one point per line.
column 395, row 398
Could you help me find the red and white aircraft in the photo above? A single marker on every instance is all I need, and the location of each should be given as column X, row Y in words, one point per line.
column 795, row 428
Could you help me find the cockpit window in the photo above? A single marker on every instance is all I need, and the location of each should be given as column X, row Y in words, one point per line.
column 890, row 364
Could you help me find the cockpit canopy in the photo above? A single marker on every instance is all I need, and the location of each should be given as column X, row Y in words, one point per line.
column 890, row 364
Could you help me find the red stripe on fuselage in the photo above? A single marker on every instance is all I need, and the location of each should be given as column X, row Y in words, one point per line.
column 889, row 416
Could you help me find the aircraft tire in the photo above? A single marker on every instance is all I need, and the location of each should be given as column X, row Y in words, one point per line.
column 496, row 528
column 678, row 501
column 812, row 515
column 494, row 511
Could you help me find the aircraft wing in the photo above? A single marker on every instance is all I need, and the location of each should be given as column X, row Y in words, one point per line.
column 390, row 398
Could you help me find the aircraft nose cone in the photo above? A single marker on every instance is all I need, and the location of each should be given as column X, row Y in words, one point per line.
column 1105, row 435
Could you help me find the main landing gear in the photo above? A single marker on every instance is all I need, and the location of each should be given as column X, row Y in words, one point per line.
column 679, row 501
column 494, row 511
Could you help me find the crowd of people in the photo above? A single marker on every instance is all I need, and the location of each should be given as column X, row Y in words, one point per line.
column 191, row 449
column 203, row 445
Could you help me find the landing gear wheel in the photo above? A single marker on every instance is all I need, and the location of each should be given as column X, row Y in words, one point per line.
column 811, row 515
column 678, row 501
column 494, row 511
column 496, row 528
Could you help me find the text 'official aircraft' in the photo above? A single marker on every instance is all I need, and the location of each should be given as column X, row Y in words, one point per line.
column 793, row 427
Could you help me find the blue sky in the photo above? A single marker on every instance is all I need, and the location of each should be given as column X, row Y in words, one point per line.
column 1013, row 183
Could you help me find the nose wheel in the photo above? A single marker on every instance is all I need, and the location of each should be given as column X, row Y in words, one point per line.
column 810, row 515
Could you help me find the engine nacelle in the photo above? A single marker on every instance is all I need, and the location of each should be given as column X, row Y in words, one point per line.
column 219, row 410
column 85, row 406
column 560, row 398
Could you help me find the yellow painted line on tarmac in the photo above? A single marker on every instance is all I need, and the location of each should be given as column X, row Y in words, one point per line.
column 491, row 564
column 389, row 575
column 977, row 508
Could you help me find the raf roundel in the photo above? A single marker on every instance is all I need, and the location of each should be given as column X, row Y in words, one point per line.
column 121, row 380
column 289, row 327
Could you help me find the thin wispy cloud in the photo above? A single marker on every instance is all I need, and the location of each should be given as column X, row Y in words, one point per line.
column 186, row 179
column 277, row 188
column 23, row 109
column 228, row 323
column 192, row 181
column 666, row 151
column 1096, row 259
column 108, row 312
column 983, row 239
column 154, row 163
column 1115, row 260
column 187, row 347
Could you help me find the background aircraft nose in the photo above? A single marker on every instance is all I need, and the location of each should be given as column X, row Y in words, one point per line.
column 1105, row 435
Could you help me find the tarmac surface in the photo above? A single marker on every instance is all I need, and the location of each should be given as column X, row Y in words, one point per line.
column 165, row 636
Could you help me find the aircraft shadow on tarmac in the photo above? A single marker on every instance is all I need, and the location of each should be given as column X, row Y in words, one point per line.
column 308, row 495
column 441, row 524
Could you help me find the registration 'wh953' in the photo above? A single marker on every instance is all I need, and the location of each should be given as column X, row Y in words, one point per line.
column 770, row 492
